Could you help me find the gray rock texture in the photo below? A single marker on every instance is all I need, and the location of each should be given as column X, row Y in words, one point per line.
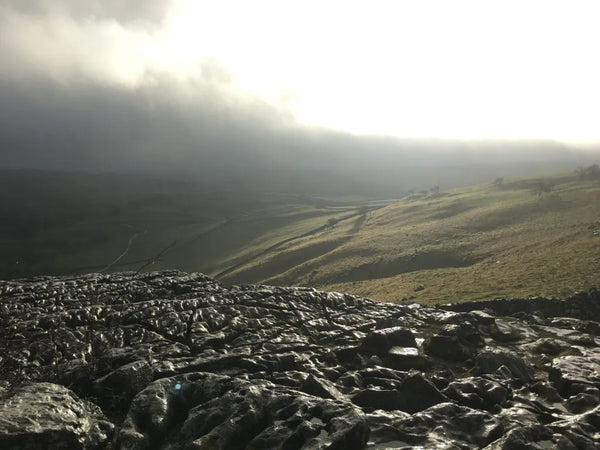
column 170, row 360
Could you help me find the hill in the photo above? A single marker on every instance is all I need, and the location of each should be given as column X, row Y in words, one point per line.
column 516, row 238
column 56, row 223
column 512, row 238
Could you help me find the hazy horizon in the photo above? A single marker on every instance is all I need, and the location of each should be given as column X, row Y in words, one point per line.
column 238, row 92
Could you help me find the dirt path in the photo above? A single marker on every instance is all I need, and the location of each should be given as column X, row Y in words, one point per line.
column 122, row 255
column 293, row 238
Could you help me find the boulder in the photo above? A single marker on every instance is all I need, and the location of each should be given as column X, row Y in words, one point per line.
column 201, row 410
column 414, row 394
column 45, row 415
column 381, row 341
column 478, row 393
column 116, row 389
column 447, row 347
column 490, row 362
column 579, row 370
column 406, row 358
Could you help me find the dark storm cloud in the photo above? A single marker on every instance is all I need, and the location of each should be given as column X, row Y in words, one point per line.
column 87, row 124
column 203, row 131
column 123, row 11
column 78, row 93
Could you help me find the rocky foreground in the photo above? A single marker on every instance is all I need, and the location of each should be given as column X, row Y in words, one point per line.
column 169, row 360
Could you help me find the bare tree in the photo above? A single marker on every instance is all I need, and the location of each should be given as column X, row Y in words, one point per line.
column 543, row 187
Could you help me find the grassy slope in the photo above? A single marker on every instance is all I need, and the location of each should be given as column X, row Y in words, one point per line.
column 63, row 223
column 467, row 244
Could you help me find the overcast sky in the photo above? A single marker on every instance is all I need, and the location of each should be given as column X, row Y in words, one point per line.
column 460, row 69
column 160, row 83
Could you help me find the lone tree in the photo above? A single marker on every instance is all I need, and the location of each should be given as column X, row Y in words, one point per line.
column 543, row 187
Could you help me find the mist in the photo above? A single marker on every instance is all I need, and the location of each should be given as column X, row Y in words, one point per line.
column 196, row 131
column 82, row 88
column 246, row 140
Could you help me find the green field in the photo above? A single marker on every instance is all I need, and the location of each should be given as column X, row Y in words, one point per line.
column 61, row 223
column 480, row 242
column 522, row 237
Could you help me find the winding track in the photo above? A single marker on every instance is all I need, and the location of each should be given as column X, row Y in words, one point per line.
column 290, row 239
column 122, row 255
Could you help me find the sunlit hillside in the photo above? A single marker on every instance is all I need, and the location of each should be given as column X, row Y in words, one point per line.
column 514, row 237
column 509, row 238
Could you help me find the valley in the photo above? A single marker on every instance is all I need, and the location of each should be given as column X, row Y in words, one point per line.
column 509, row 238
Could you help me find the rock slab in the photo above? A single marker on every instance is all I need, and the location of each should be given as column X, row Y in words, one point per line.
column 171, row 360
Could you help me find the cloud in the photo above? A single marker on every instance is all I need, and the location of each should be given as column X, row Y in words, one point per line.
column 159, row 124
column 93, row 86
column 204, row 131
column 67, row 42
column 122, row 11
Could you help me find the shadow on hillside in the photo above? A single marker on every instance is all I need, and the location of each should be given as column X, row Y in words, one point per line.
column 451, row 210
column 282, row 262
column 434, row 259
column 358, row 223
column 518, row 213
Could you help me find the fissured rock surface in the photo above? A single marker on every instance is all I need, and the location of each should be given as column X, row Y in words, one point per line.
column 170, row 360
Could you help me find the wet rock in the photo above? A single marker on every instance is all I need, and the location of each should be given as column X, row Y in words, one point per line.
column 483, row 318
column 202, row 410
column 478, row 393
column 406, row 358
column 527, row 437
column 176, row 360
column 380, row 378
column 116, row 389
column 447, row 347
column 404, row 352
column 447, row 425
column 458, row 340
column 582, row 305
column 384, row 431
column 490, row 362
column 466, row 332
column 505, row 331
column 381, row 341
column 320, row 387
column 77, row 375
column 45, row 415
column 378, row 399
column 582, row 402
column 582, row 430
column 580, row 388
column 546, row 392
column 549, row 346
column 580, row 370
column 415, row 393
